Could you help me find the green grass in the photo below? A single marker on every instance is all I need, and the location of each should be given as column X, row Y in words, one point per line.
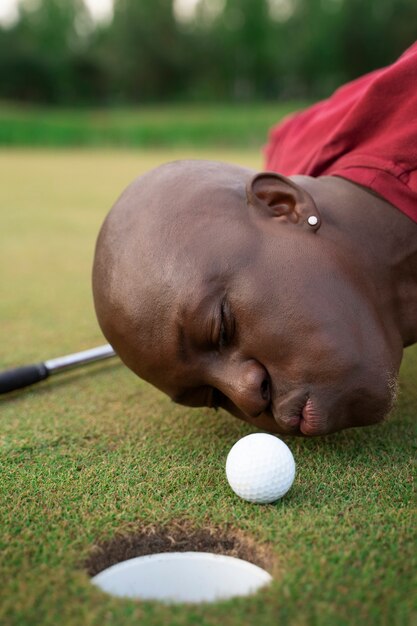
column 94, row 452
column 169, row 126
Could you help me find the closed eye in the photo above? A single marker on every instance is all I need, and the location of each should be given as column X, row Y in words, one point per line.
column 227, row 325
column 223, row 339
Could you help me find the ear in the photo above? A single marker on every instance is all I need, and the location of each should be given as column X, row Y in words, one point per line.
column 278, row 197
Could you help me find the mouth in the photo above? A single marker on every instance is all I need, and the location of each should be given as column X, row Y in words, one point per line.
column 298, row 414
column 312, row 421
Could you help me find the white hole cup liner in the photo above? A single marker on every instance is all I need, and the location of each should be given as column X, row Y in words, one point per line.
column 176, row 577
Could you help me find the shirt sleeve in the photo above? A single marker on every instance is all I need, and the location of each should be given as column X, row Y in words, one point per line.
column 365, row 132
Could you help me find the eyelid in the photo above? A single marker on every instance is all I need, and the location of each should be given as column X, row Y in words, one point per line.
column 227, row 324
column 222, row 330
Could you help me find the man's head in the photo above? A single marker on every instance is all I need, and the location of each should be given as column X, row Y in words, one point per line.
column 211, row 283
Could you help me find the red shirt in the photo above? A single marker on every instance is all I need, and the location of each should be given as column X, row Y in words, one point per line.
column 365, row 132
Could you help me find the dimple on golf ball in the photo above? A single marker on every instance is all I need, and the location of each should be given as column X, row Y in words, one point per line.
column 260, row 468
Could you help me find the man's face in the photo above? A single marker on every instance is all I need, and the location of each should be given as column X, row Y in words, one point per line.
column 268, row 321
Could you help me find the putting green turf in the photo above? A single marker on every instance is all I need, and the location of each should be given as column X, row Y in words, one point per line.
column 97, row 451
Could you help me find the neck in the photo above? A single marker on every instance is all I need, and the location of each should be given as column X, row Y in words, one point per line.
column 381, row 239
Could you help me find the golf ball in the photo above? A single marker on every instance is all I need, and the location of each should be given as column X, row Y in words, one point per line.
column 260, row 468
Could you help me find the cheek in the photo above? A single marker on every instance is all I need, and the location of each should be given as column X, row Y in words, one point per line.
column 309, row 322
column 323, row 345
column 317, row 358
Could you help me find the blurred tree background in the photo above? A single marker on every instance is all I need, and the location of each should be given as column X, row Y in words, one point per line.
column 152, row 51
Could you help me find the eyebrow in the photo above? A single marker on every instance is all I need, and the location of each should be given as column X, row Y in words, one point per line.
column 182, row 351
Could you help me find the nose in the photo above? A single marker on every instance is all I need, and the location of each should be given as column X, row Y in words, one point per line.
column 247, row 385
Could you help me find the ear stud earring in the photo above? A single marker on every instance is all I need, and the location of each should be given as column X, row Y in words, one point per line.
column 313, row 220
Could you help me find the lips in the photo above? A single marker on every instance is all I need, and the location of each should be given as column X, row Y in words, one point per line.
column 297, row 413
column 288, row 411
column 312, row 422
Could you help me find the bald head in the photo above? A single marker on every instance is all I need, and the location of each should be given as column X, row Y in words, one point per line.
column 148, row 238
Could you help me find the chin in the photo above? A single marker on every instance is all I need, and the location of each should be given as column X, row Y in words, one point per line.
column 360, row 408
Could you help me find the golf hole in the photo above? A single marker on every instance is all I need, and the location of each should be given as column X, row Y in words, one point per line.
column 180, row 564
column 177, row 577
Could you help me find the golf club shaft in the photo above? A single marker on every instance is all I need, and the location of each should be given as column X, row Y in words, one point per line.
column 13, row 379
